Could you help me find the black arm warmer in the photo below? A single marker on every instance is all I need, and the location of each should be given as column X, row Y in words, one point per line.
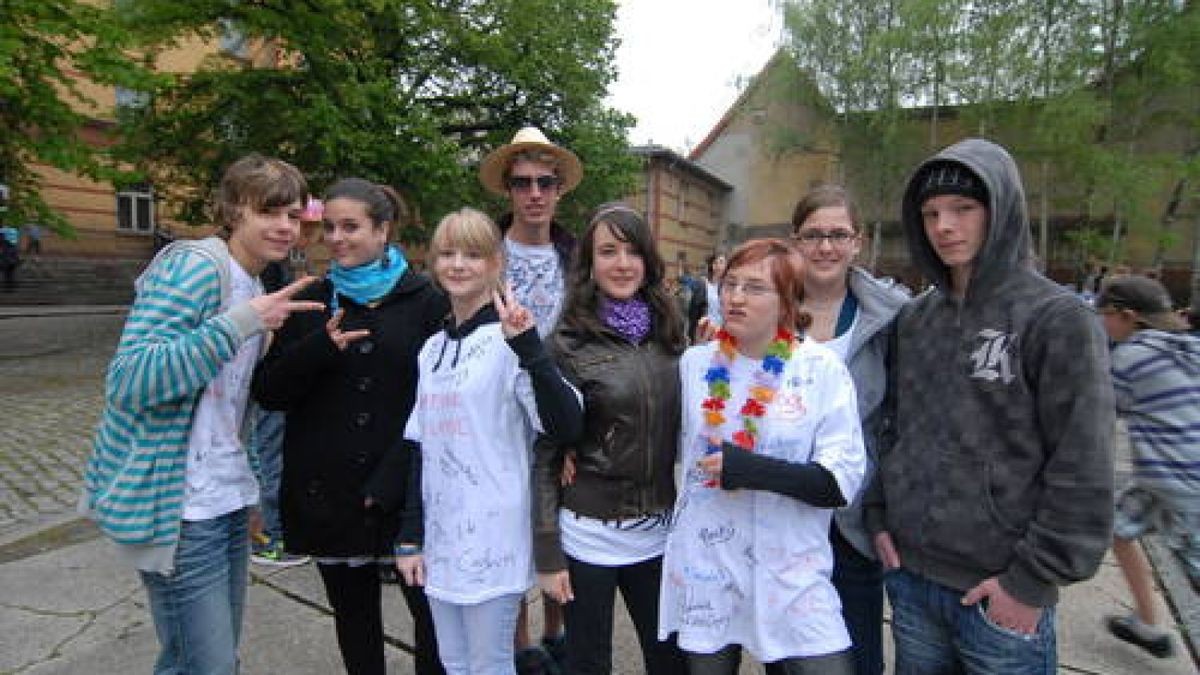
column 809, row 482
column 412, row 520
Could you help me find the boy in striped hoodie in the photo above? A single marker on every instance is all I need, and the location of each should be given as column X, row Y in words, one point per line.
column 171, row 480
column 1156, row 376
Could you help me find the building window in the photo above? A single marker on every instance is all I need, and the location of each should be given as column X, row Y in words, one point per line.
column 232, row 41
column 135, row 209
column 131, row 99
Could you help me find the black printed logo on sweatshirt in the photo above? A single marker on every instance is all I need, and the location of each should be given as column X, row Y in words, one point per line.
column 992, row 360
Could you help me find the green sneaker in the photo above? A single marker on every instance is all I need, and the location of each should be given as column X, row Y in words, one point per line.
column 273, row 554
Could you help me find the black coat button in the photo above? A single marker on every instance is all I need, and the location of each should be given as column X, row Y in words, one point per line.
column 362, row 419
column 366, row 346
column 363, row 384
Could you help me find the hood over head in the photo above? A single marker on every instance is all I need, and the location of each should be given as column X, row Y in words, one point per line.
column 1008, row 244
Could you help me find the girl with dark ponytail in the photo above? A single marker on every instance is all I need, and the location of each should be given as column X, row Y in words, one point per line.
column 347, row 378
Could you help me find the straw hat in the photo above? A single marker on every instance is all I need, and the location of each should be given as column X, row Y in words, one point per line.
column 494, row 166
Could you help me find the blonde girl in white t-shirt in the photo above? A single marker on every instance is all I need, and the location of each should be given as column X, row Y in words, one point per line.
column 486, row 388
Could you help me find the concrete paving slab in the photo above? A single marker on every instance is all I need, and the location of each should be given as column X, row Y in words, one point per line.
column 1085, row 646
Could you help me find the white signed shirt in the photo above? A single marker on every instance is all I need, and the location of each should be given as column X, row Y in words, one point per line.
column 752, row 567
column 218, row 475
column 475, row 418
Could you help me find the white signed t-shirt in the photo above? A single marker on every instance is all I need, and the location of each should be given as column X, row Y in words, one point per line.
column 751, row 567
column 218, row 476
column 537, row 278
column 476, row 419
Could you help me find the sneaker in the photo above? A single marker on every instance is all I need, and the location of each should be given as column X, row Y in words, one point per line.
column 272, row 554
column 1131, row 630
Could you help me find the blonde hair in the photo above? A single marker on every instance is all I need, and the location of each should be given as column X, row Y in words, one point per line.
column 470, row 230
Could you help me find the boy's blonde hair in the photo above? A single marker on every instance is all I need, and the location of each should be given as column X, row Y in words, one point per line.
column 470, row 230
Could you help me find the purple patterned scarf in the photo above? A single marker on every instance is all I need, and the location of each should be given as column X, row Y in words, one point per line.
column 630, row 318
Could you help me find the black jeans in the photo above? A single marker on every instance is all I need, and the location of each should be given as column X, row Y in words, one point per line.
column 859, row 583
column 589, row 617
column 356, row 596
column 726, row 662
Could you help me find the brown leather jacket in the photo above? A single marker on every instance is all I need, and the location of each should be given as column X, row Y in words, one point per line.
column 625, row 460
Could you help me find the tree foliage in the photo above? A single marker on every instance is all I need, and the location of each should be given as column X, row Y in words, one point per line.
column 411, row 93
column 45, row 45
column 1097, row 98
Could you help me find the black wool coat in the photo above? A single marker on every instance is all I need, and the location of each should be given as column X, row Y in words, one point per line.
column 345, row 412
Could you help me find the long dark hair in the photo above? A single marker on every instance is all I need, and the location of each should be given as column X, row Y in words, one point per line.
column 580, row 311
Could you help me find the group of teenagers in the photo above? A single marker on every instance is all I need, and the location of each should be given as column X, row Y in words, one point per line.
column 531, row 414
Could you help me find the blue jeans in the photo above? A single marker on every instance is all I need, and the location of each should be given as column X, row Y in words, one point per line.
column 935, row 634
column 268, row 440
column 197, row 608
column 476, row 639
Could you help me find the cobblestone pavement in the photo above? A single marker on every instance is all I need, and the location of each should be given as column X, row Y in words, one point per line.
column 49, row 405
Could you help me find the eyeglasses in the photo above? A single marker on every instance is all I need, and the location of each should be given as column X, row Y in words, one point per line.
column 524, row 183
column 815, row 237
column 751, row 289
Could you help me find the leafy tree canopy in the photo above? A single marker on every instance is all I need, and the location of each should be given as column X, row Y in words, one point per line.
column 412, row 93
column 45, row 45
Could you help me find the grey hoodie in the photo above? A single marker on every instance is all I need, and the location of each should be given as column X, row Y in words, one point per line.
column 998, row 462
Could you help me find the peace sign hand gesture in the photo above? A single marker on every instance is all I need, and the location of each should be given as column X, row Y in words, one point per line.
column 514, row 319
column 342, row 338
column 274, row 308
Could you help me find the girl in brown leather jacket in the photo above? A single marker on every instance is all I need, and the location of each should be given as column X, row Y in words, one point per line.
column 618, row 342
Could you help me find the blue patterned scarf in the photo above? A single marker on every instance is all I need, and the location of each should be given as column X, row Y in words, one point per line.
column 368, row 282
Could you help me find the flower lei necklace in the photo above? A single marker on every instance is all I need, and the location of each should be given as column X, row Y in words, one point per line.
column 762, row 389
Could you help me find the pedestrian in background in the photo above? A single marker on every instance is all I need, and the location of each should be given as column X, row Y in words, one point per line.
column 347, row 378
column 995, row 486
column 1156, row 376
column 487, row 387
column 852, row 314
column 10, row 260
column 268, row 548
column 33, row 239
column 618, row 343
column 171, row 480
column 714, row 268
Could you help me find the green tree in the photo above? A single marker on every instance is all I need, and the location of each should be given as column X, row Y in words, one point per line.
column 411, row 93
column 1096, row 97
column 48, row 48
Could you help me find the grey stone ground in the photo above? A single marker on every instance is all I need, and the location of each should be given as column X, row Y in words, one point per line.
column 68, row 607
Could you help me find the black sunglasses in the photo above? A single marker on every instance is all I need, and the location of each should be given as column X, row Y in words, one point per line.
column 526, row 182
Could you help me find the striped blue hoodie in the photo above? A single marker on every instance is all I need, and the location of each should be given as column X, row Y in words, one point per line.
column 177, row 337
column 1156, row 376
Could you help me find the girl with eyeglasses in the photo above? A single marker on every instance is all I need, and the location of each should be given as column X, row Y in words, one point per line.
column 852, row 314
column 347, row 378
column 771, row 444
column 618, row 342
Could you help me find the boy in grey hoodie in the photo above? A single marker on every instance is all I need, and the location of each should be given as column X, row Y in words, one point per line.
column 995, row 479
column 1156, row 375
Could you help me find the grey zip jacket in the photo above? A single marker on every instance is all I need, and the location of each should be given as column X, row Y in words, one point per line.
column 998, row 461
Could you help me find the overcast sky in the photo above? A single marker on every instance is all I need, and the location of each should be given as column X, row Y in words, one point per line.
column 680, row 60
